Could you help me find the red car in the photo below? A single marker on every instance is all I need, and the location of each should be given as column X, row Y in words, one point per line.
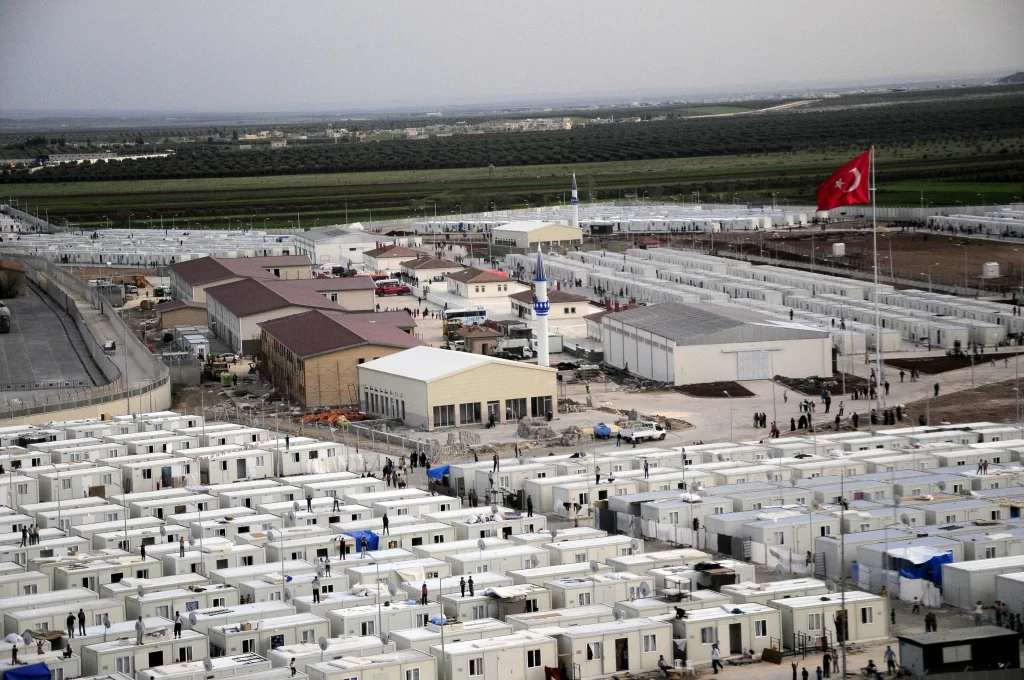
column 394, row 290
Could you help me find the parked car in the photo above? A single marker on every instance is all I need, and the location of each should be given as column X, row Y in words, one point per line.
column 227, row 357
column 394, row 289
column 508, row 355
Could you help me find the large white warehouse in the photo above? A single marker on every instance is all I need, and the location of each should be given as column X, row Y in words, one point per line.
column 688, row 344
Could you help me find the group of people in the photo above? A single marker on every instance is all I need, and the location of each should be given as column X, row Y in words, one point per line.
column 29, row 535
column 392, row 476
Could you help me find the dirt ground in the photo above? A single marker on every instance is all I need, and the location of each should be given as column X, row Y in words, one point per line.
column 936, row 365
column 715, row 390
column 910, row 254
column 995, row 402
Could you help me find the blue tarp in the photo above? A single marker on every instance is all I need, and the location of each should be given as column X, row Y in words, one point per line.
column 35, row 671
column 438, row 472
column 371, row 539
column 930, row 570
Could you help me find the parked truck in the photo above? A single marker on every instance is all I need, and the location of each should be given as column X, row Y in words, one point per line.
column 643, row 431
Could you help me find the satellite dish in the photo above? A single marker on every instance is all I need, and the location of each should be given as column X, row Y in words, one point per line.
column 494, row 509
column 718, row 456
column 291, row 515
column 830, row 586
column 481, row 543
column 618, row 614
column 554, row 534
column 942, row 486
column 208, row 664
column 27, row 637
column 645, row 589
column 295, row 506
column 594, row 566
column 392, row 590
column 106, row 621
column 192, row 619
column 897, row 501
column 769, row 477
column 635, row 544
column 287, row 594
column 324, row 644
column 534, row 561
column 905, row 518
column 163, row 530
column 191, row 541
column 816, row 505
column 793, row 481
column 141, row 590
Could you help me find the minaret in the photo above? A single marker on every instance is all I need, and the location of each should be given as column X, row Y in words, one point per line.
column 540, row 309
column 575, row 203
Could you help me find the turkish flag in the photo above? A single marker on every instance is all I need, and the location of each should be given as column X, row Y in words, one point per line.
column 849, row 185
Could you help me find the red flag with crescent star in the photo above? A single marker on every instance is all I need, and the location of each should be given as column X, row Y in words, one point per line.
column 849, row 185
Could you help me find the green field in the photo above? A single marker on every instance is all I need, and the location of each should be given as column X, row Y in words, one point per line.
column 950, row 193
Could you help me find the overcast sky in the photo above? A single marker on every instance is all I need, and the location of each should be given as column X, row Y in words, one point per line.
column 301, row 55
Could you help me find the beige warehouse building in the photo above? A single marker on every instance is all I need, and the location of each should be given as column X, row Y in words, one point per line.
column 691, row 344
column 429, row 387
column 528, row 235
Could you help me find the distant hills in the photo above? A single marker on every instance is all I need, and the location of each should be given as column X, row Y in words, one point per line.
column 1017, row 77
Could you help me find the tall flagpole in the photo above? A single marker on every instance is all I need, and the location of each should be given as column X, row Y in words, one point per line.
column 878, row 324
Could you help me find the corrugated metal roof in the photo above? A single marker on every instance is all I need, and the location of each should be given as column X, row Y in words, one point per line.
column 710, row 324
column 252, row 296
column 207, row 269
column 429, row 363
column 320, row 331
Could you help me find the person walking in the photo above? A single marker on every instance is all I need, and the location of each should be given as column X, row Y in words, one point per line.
column 177, row 624
column 892, row 616
column 890, row 659
column 901, row 375
column 984, row 467
column 24, row 535
column 423, row 594
column 81, row 622
column 979, row 611
column 385, row 522
column 936, row 389
column 14, row 655
column 804, row 674
column 337, row 501
column 309, row 503
column 71, row 625
column 316, row 589
column 826, row 664
column 529, row 506
column 365, row 546
column 716, row 658
column 470, row 584
column 140, row 631
column 886, row 384
column 497, row 463
column 647, row 470
column 618, row 439
column 462, row 585
column 917, row 607
column 181, row 547
column 341, row 545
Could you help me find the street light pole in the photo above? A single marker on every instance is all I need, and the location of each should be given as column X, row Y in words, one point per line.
column 730, row 414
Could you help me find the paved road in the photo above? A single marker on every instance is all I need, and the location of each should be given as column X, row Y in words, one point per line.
column 40, row 352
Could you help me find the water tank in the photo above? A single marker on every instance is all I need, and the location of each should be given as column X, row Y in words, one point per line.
column 839, row 250
column 990, row 270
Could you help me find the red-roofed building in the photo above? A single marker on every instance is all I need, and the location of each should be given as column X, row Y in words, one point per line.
column 312, row 356
column 481, row 283
column 191, row 278
column 563, row 305
column 388, row 258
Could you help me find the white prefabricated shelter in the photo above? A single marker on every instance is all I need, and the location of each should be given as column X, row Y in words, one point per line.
column 496, row 603
column 599, row 549
column 763, row 593
column 428, row 636
column 54, row 617
column 561, row 618
column 523, row 654
column 222, row 556
column 395, row 616
column 964, row 583
column 221, row 616
column 18, row 583
column 602, row 650
column 499, row 560
column 540, row 575
column 157, row 649
column 235, row 576
column 736, row 628
column 807, row 620
column 93, row 574
column 606, row 589
column 167, row 603
column 130, row 586
column 442, row 551
column 361, row 573
column 76, row 482
column 261, row 636
column 404, row 664
column 308, row 653
column 67, row 598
